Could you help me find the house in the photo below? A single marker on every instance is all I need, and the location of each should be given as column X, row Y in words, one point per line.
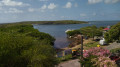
column 102, row 41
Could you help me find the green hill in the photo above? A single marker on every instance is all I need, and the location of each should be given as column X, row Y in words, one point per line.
column 53, row 22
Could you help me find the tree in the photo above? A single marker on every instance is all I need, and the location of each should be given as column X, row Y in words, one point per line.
column 24, row 46
column 91, row 31
column 113, row 34
column 73, row 32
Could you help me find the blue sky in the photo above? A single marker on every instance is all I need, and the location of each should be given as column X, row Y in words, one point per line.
column 40, row 10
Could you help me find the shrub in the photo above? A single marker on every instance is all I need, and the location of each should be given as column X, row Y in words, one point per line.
column 87, row 61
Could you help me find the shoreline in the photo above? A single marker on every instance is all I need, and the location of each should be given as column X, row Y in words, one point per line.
column 77, row 46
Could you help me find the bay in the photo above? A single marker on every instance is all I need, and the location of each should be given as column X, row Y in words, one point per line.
column 58, row 31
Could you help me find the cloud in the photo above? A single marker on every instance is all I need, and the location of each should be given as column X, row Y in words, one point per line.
column 0, row 8
column 52, row 6
column 63, row 17
column 34, row 9
column 83, row 15
column 71, row 0
column 94, row 1
column 31, row 10
column 105, row 1
column 76, row 5
column 13, row 10
column 12, row 3
column 111, row 1
column 68, row 5
column 94, row 14
column 44, row 7
column 43, row 0
column 52, row 14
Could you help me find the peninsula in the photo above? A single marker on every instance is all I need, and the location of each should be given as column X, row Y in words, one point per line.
column 53, row 22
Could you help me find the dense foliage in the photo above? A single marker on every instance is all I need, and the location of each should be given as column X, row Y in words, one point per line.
column 113, row 34
column 89, row 31
column 24, row 46
column 73, row 32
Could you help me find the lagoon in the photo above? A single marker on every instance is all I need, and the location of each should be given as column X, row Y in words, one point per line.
column 58, row 31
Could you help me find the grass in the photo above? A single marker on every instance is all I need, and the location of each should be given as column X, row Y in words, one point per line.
column 90, row 45
column 65, row 58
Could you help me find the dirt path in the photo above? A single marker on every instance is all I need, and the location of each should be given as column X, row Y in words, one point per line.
column 70, row 63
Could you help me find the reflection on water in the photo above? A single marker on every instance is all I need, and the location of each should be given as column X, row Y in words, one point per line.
column 58, row 31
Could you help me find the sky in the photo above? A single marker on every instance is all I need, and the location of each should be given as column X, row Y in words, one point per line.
column 49, row 10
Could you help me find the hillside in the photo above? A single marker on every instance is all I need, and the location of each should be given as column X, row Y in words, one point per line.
column 53, row 22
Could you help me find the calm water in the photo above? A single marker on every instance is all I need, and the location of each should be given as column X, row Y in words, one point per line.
column 58, row 31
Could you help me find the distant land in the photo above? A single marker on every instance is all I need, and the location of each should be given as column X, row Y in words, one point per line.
column 53, row 22
column 104, row 21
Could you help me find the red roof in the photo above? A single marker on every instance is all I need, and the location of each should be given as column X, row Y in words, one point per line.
column 106, row 29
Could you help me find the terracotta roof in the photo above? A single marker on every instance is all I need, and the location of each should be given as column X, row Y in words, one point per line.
column 106, row 29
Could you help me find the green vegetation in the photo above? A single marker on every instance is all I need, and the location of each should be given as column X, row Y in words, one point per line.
column 90, row 45
column 89, row 31
column 23, row 46
column 113, row 34
column 53, row 22
column 73, row 32
column 65, row 58
column 87, row 61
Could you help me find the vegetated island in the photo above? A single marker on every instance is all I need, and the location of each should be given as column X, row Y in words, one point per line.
column 53, row 22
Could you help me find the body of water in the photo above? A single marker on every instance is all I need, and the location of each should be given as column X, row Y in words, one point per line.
column 58, row 31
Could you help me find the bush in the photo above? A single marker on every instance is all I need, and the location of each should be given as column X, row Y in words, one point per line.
column 87, row 61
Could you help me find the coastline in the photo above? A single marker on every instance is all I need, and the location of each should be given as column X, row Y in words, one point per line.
column 60, row 22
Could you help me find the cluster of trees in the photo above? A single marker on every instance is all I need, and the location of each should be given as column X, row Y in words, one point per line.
column 113, row 34
column 73, row 32
column 89, row 31
column 23, row 46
